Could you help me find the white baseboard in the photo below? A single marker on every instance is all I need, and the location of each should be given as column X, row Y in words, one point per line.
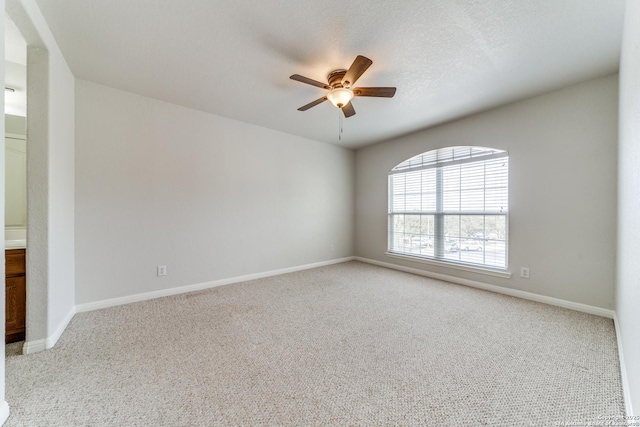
column 623, row 371
column 4, row 412
column 30, row 347
column 598, row 311
column 53, row 338
column 35, row 346
column 97, row 305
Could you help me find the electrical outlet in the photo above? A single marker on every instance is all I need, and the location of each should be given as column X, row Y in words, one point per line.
column 162, row 270
column 524, row 272
column 332, row 247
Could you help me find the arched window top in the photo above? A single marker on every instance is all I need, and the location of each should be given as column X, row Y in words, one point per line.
column 449, row 155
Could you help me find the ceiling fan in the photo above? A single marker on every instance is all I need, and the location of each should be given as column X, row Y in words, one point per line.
column 339, row 87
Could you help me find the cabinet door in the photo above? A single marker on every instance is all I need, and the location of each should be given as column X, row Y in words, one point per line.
column 15, row 293
column 15, row 262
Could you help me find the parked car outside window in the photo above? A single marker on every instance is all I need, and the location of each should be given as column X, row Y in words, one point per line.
column 471, row 245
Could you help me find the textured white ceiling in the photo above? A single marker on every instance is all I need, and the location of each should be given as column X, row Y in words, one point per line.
column 234, row 57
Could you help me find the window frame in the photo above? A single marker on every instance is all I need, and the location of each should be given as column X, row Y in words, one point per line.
column 432, row 160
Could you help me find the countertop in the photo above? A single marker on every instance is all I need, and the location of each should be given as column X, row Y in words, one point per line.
column 15, row 244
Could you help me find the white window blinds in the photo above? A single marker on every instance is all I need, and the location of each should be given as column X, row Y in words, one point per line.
column 451, row 205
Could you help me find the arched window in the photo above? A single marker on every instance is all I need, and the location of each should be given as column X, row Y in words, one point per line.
column 451, row 205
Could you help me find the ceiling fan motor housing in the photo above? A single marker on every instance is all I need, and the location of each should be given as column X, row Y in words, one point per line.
column 335, row 78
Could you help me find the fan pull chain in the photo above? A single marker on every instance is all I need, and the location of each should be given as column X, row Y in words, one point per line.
column 340, row 129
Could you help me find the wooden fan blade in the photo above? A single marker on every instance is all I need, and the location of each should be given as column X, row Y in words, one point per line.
column 307, row 80
column 358, row 67
column 312, row 104
column 348, row 110
column 382, row 92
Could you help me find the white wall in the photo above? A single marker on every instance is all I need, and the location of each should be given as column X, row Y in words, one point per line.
column 209, row 197
column 61, row 196
column 562, row 156
column 628, row 277
column 50, row 153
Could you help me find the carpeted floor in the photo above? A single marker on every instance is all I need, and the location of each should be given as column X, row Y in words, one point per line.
column 348, row 344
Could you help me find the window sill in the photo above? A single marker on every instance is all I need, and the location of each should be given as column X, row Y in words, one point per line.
column 481, row 270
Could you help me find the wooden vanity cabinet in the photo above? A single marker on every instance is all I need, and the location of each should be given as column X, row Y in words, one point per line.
column 15, row 294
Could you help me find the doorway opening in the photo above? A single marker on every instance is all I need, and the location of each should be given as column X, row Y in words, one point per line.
column 15, row 214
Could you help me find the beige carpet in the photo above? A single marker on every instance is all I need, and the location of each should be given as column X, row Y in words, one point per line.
column 349, row 344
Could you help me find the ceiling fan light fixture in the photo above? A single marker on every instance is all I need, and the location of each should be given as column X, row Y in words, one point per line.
column 340, row 97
